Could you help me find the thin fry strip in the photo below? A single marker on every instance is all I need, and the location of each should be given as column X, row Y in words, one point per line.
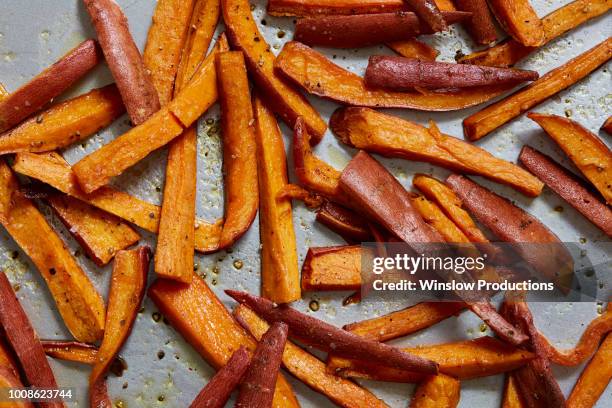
column 481, row 25
column 519, row 20
column 428, row 11
column 433, row 215
column 416, row 49
column 494, row 116
column 71, row 351
column 557, row 23
column 437, row 391
column 302, row 8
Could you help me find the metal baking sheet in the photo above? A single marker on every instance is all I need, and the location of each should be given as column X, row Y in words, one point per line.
column 34, row 33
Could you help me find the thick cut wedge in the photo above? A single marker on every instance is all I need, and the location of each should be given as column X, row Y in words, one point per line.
column 332, row 268
column 519, row 20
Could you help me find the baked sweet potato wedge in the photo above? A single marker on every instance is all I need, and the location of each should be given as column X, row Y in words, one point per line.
column 50, row 83
column 77, row 300
column 316, row 74
column 65, row 123
column 588, row 152
column 124, row 60
column 437, row 391
column 342, row 7
column 279, row 264
column 391, row 136
column 309, row 369
column 494, row 116
column 344, row 222
column 285, row 101
column 557, row 23
column 480, row 25
column 433, row 215
column 413, row 48
column 568, row 186
column 332, row 268
column 99, row 233
column 208, row 326
column 519, row 20
column 71, row 351
column 428, row 11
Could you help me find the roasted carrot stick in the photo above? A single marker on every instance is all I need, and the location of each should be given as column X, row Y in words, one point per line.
column 124, row 59
column 437, row 391
column 50, row 83
column 413, row 48
column 568, row 186
column 10, row 380
column 317, row 75
column 343, row 222
column 209, row 327
column 310, row 370
column 332, row 268
column 65, row 123
column 282, row 98
column 557, row 23
column 492, row 117
column 428, row 11
column 71, row 351
column 480, row 26
column 519, row 20
column 218, row 390
column 588, row 152
column 328, row 337
column 25, row 342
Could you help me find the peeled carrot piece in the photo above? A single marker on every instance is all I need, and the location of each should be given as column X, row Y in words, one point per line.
column 557, row 23
column 344, row 222
column 77, row 300
column 128, row 283
column 100, row 234
column 416, row 49
column 437, row 391
column 200, row 317
column 494, row 116
column 519, row 20
column 588, row 152
column 10, row 380
column 239, row 147
column 309, row 369
column 332, row 268
column 50, row 83
column 25, row 342
column 288, row 103
column 52, row 169
column 65, row 123
column 280, row 278
column 71, row 351
column 316, row 74
column 511, row 398
column 390, row 136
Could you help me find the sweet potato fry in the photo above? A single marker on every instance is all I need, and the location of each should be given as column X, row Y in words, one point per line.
column 218, row 390
column 433, row 215
column 77, row 300
column 128, row 284
column 468, row 359
column 7, row 359
column 65, row 123
column 399, row 73
column 416, row 49
column 95, row 170
column 10, row 380
column 568, row 186
column 480, row 26
column 320, row 334
column 333, row 7
column 494, row 116
column 344, row 222
column 294, row 192
column 557, row 23
column 124, row 60
column 519, row 20
column 362, row 30
column 332, row 268
column 319, row 76
column 607, row 126
column 52, row 169
column 310, row 369
column 209, row 327
column 279, row 264
column 71, row 351
column 511, row 398
column 24, row 342
column 439, row 391
column 390, row 136
column 100, row 234
column 50, row 83
column 588, row 152
column 282, row 98
column 239, row 148
column 510, row 223
column 428, row 11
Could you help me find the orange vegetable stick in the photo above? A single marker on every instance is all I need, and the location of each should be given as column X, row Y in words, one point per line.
column 437, row 391
column 77, row 300
column 481, row 25
column 519, row 20
column 285, row 101
column 280, row 278
column 71, row 351
column 239, row 148
column 200, row 317
column 557, row 23
column 295, row 192
column 316, row 74
column 344, row 222
column 100, row 234
column 494, row 116
column 433, row 215
column 588, row 152
column 10, row 380
column 342, row 7
column 52, row 169
column 390, row 136
column 50, row 83
column 310, row 370
column 65, row 123
column 332, row 268
column 413, row 48
column 428, row 11
column 128, row 283
column 511, row 398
